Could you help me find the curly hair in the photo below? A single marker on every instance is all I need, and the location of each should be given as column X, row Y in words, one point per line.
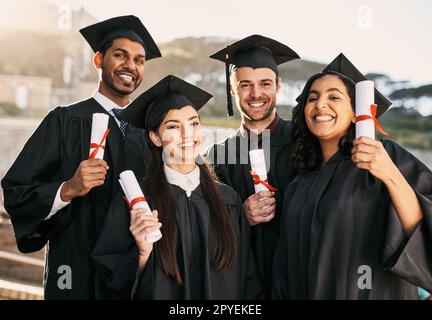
column 306, row 149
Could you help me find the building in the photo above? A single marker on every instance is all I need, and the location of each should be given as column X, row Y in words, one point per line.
column 26, row 92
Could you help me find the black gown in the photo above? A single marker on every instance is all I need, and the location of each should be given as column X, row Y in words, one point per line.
column 339, row 218
column 116, row 254
column 264, row 236
column 50, row 157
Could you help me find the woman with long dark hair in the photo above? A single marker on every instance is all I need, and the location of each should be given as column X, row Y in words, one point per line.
column 204, row 252
column 357, row 220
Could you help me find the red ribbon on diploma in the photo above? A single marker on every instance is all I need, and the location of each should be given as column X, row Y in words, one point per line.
column 257, row 180
column 134, row 201
column 363, row 117
column 97, row 146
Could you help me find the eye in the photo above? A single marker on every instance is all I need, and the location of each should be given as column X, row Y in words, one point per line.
column 266, row 84
column 172, row 126
column 140, row 61
column 312, row 99
column 195, row 123
column 119, row 55
column 244, row 85
column 334, row 98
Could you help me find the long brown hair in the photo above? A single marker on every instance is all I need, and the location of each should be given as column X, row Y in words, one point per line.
column 159, row 191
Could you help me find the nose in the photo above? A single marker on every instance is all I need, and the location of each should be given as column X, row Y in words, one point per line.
column 255, row 92
column 130, row 63
column 186, row 131
column 320, row 104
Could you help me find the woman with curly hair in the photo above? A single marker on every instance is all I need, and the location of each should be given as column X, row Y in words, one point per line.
column 357, row 220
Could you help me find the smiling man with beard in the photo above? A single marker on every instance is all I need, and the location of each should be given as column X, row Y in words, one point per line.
column 53, row 193
column 253, row 79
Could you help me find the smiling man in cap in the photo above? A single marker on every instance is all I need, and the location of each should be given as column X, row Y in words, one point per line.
column 53, row 193
column 252, row 77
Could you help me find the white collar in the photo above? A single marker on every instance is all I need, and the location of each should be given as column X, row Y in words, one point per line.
column 188, row 182
column 106, row 103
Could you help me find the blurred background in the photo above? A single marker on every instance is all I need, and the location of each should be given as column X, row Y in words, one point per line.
column 44, row 62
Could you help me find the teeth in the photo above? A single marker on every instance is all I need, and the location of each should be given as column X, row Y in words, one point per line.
column 257, row 104
column 323, row 118
column 187, row 144
column 125, row 77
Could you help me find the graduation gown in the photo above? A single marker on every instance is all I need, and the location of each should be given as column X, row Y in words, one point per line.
column 339, row 220
column 50, row 157
column 235, row 171
column 116, row 253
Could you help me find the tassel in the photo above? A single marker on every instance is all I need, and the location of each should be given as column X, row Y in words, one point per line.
column 228, row 88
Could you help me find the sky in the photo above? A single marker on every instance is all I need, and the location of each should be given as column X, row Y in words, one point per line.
column 386, row 36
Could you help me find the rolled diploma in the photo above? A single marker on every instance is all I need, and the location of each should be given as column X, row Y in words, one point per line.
column 132, row 190
column 99, row 127
column 258, row 165
column 364, row 91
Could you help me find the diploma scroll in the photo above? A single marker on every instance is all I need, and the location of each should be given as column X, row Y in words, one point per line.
column 365, row 92
column 259, row 171
column 99, row 133
column 136, row 199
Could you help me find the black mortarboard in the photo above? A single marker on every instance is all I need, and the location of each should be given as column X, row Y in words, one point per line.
column 256, row 52
column 169, row 93
column 342, row 65
column 131, row 27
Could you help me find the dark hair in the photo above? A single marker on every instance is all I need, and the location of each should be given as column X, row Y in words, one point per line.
column 225, row 250
column 232, row 71
column 106, row 46
column 306, row 150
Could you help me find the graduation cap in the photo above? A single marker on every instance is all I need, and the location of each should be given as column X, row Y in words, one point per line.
column 342, row 65
column 131, row 27
column 255, row 51
column 169, row 93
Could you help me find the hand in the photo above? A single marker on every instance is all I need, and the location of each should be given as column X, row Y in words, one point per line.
column 141, row 225
column 90, row 173
column 260, row 207
column 369, row 154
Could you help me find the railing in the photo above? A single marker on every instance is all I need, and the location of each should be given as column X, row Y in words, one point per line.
column 21, row 259
column 20, row 276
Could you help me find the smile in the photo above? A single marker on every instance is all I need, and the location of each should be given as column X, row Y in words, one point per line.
column 187, row 145
column 257, row 104
column 323, row 118
column 126, row 77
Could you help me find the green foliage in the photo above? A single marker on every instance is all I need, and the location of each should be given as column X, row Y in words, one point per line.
column 412, row 92
column 10, row 109
column 409, row 127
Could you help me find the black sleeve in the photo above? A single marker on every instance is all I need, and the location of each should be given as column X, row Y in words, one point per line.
column 410, row 257
column 280, row 262
column 116, row 254
column 32, row 182
column 253, row 289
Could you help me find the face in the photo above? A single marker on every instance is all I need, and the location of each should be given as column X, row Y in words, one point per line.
column 328, row 110
column 179, row 135
column 255, row 92
column 122, row 66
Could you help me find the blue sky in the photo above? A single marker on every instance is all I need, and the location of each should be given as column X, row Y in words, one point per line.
column 388, row 36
